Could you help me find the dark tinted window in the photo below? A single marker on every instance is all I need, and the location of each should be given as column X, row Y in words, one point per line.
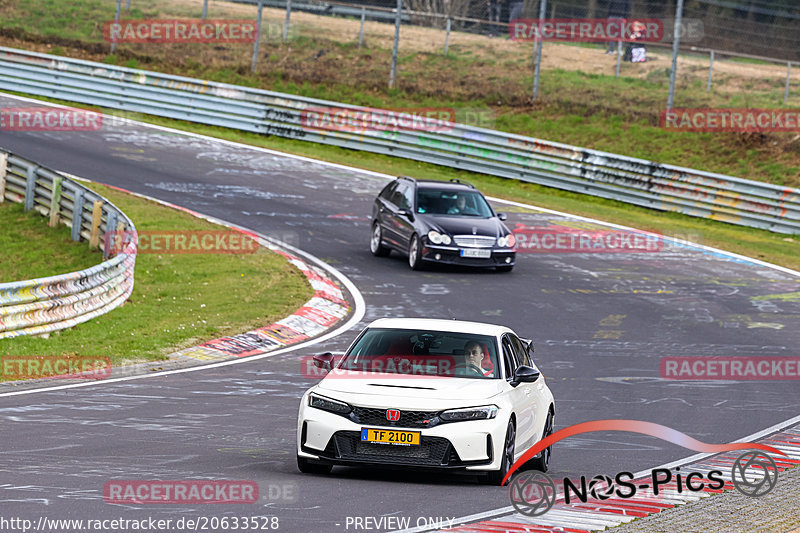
column 402, row 196
column 453, row 202
column 408, row 196
column 387, row 191
column 509, row 357
column 522, row 351
column 411, row 351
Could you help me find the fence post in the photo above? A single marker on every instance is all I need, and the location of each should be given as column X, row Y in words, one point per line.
column 55, row 202
column 361, row 32
column 205, row 9
column 30, row 188
column 676, row 41
column 710, row 71
column 77, row 216
column 539, row 44
column 3, row 166
column 788, row 74
column 97, row 219
column 258, row 37
column 397, row 20
column 108, row 237
column 116, row 21
column 447, row 37
column 619, row 57
column 286, row 22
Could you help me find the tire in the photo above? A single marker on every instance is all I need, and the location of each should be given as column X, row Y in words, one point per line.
column 496, row 477
column 542, row 463
column 505, row 268
column 415, row 253
column 375, row 242
column 307, row 467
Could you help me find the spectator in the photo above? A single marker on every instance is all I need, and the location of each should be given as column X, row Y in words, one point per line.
column 494, row 16
column 636, row 52
column 618, row 11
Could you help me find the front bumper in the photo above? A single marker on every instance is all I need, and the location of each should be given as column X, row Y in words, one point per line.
column 451, row 255
column 334, row 439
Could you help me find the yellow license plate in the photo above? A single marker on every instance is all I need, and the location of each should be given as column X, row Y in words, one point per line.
column 390, row 436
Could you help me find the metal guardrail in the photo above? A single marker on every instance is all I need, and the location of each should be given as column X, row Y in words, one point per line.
column 627, row 179
column 44, row 305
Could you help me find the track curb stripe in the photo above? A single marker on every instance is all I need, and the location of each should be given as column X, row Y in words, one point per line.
column 327, row 301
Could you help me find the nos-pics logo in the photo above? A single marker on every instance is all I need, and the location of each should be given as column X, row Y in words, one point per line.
column 753, row 474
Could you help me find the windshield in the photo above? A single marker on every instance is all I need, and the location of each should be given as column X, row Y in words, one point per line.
column 423, row 353
column 450, row 202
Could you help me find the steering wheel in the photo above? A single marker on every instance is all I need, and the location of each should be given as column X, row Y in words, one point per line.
column 470, row 369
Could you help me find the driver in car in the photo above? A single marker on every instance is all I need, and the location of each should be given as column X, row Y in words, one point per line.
column 460, row 207
column 474, row 357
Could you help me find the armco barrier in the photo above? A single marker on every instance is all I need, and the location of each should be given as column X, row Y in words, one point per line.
column 627, row 179
column 43, row 305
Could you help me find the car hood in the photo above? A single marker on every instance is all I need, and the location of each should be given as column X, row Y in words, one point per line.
column 461, row 225
column 411, row 391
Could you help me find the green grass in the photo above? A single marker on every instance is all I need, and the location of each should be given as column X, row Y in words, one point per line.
column 30, row 247
column 80, row 19
column 178, row 300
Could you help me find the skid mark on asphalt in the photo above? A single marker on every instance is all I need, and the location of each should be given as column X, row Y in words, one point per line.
column 206, row 190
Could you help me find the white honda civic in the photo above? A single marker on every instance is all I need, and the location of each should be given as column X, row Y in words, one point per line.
column 426, row 393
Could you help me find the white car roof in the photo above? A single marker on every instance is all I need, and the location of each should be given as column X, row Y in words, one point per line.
column 436, row 324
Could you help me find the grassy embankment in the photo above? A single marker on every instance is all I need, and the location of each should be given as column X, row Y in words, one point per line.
column 179, row 300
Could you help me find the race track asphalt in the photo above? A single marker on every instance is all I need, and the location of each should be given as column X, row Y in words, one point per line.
column 600, row 322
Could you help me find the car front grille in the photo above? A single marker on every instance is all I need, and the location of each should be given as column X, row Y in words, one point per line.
column 408, row 419
column 474, row 241
column 432, row 451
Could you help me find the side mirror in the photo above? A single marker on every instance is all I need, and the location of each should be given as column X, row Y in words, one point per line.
column 406, row 213
column 502, row 217
column 525, row 374
column 324, row 361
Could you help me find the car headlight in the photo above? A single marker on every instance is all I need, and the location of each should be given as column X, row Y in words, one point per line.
column 470, row 413
column 327, row 404
column 438, row 238
column 507, row 241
